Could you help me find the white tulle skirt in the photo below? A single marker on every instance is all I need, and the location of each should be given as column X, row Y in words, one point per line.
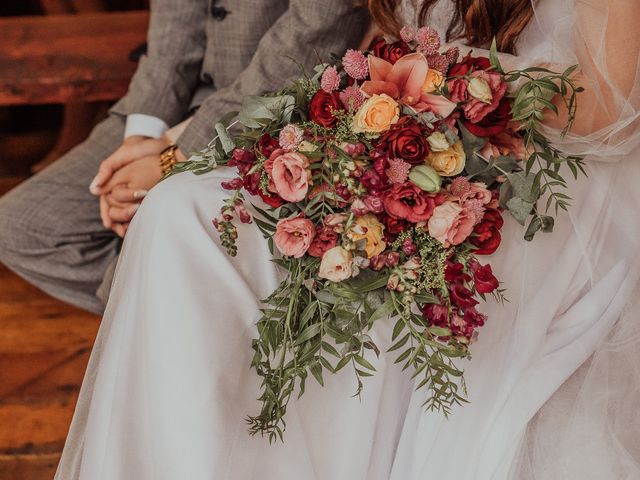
column 168, row 385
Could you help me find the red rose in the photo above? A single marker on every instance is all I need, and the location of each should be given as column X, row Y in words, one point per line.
column 391, row 52
column 462, row 296
column 252, row 185
column 326, row 238
column 406, row 141
column 484, row 280
column 322, row 108
column 486, row 235
column 493, row 123
column 267, row 145
column 407, row 201
column 468, row 64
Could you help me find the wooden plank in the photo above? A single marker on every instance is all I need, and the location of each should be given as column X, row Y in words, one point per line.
column 36, row 424
column 62, row 58
column 29, row 466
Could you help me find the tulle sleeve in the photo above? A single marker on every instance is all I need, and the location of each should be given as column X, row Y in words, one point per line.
column 601, row 37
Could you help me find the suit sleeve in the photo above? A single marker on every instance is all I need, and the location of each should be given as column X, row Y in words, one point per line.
column 307, row 32
column 167, row 75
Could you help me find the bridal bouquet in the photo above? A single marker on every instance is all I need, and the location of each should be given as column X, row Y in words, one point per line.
column 386, row 178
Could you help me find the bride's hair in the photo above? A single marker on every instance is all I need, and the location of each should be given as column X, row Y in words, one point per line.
column 477, row 21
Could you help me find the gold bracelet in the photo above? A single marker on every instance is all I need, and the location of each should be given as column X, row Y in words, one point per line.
column 168, row 159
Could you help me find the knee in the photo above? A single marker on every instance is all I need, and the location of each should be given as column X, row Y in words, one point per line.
column 21, row 220
column 168, row 200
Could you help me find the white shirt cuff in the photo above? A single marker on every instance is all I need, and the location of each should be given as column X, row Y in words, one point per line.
column 144, row 125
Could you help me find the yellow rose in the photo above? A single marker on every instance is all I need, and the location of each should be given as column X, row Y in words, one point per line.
column 369, row 228
column 450, row 162
column 433, row 81
column 376, row 115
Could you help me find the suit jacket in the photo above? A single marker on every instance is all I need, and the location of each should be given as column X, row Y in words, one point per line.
column 212, row 53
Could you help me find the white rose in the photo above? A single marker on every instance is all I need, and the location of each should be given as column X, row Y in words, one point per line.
column 438, row 142
column 479, row 89
column 305, row 146
column 336, row 265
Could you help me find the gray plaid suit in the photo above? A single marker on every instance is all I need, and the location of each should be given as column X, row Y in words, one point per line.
column 202, row 54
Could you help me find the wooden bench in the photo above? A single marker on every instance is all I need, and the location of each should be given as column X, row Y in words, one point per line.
column 69, row 58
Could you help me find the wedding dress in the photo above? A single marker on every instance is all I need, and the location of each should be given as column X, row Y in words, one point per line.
column 168, row 384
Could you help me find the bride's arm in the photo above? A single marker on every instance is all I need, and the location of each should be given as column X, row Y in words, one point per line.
column 608, row 57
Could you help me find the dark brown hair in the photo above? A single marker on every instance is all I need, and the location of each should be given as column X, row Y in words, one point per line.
column 477, row 21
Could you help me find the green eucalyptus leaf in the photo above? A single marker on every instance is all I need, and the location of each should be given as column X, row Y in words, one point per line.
column 520, row 209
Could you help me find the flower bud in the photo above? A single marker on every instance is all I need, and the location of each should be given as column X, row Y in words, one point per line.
column 425, row 178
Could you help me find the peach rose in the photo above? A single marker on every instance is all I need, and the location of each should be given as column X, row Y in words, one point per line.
column 369, row 228
column 336, row 265
column 290, row 175
column 433, row 81
column 449, row 162
column 376, row 115
column 294, row 235
column 450, row 224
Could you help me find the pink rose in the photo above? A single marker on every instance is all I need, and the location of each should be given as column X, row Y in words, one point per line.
column 291, row 176
column 438, row 104
column 294, row 236
column 457, row 90
column 485, row 102
column 450, row 224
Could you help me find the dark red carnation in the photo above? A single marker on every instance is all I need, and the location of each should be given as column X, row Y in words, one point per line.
column 252, row 185
column 474, row 318
column 409, row 202
column 493, row 123
column 243, row 159
column 234, row 184
column 462, row 296
column 486, row 235
column 436, row 314
column 373, row 181
column 484, row 279
column 322, row 108
column 267, row 145
column 392, row 226
column 469, row 64
column 391, row 52
column 326, row 238
column 407, row 141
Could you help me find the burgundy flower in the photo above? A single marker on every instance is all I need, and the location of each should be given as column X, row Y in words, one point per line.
column 454, row 273
column 391, row 52
column 406, row 141
column 469, row 64
column 373, row 181
column 267, row 145
column 486, row 235
column 436, row 314
column 251, row 184
column 408, row 247
column 474, row 318
column 409, row 202
column 243, row 159
column 493, row 123
column 234, row 184
column 326, row 238
column 323, row 106
column 484, row 279
column 462, row 296
column 393, row 226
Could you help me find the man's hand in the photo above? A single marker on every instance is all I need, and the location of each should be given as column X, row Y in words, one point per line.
column 133, row 148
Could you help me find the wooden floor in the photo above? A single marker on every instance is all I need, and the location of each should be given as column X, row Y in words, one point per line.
column 44, row 349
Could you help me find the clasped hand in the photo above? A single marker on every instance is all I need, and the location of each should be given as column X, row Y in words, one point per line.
column 125, row 178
